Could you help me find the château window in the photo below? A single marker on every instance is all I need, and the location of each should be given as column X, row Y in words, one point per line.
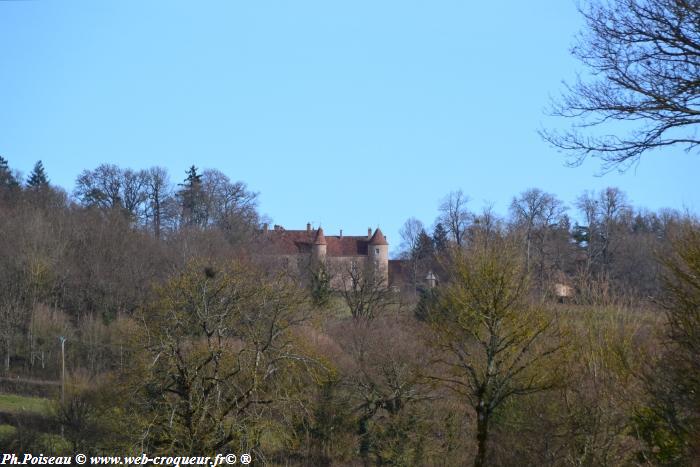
column 376, row 250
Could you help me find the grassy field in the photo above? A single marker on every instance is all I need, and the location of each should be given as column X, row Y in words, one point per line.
column 11, row 403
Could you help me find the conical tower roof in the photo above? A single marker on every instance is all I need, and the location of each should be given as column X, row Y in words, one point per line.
column 378, row 238
column 320, row 239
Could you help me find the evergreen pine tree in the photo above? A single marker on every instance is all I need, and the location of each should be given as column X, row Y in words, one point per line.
column 424, row 249
column 191, row 198
column 7, row 180
column 440, row 238
column 38, row 178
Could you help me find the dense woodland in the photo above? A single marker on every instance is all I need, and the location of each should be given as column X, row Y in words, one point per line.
column 180, row 340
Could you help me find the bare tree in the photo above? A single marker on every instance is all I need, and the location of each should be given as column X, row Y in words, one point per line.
column 13, row 318
column 454, row 215
column 587, row 204
column 410, row 232
column 603, row 215
column 220, row 356
column 384, row 384
column 228, row 205
column 614, row 207
column 534, row 212
column 679, row 407
column 134, row 192
column 159, row 190
column 644, row 59
column 366, row 292
column 492, row 343
column 487, row 223
column 100, row 187
column 110, row 187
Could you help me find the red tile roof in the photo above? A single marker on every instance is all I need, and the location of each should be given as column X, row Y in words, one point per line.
column 292, row 242
column 378, row 238
column 320, row 238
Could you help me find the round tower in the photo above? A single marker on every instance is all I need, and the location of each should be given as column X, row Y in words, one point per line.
column 378, row 254
column 318, row 248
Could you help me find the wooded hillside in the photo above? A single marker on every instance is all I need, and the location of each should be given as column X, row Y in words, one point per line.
column 180, row 340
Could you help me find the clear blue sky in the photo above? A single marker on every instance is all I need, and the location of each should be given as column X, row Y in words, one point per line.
column 348, row 114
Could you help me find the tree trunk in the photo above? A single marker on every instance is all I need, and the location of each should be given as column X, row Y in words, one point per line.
column 7, row 356
column 156, row 218
column 527, row 260
column 364, row 439
column 482, row 431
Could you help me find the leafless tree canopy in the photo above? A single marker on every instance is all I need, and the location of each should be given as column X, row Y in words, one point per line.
column 454, row 215
column 535, row 211
column 644, row 83
column 410, row 233
column 365, row 293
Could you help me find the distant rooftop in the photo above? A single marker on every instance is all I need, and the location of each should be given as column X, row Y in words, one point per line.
column 280, row 241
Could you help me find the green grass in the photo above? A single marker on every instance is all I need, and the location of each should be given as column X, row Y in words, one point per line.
column 12, row 403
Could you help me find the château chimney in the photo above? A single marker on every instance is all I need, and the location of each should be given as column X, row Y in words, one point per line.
column 308, row 226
